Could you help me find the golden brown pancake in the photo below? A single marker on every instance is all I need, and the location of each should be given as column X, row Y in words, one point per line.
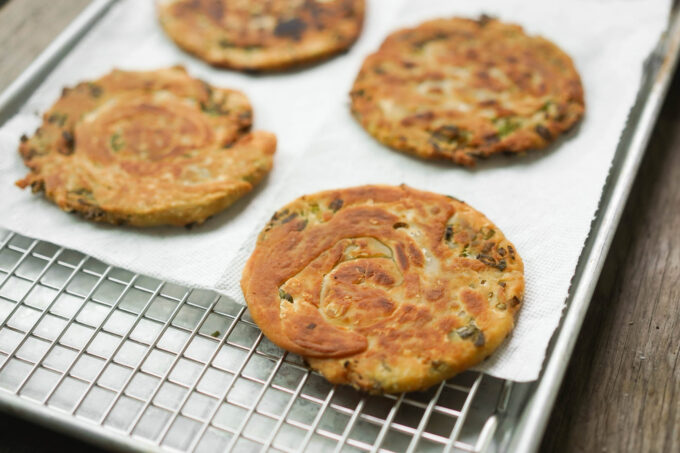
column 389, row 289
column 461, row 89
column 147, row 148
column 262, row 35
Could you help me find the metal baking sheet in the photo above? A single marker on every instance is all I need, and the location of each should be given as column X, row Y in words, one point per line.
column 130, row 362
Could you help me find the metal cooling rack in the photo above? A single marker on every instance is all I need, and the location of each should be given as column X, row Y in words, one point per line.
column 152, row 365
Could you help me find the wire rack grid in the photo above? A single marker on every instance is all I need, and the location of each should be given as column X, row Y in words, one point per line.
column 117, row 354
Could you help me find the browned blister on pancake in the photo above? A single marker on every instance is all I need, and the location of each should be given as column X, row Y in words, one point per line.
column 388, row 289
column 147, row 148
column 461, row 89
column 262, row 35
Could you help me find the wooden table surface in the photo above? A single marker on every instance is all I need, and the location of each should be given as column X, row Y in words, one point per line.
column 622, row 388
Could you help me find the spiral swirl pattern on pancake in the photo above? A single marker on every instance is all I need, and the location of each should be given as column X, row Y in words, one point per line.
column 262, row 35
column 144, row 130
column 147, row 148
column 388, row 289
column 462, row 90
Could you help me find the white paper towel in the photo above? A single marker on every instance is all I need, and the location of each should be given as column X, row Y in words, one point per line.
column 543, row 202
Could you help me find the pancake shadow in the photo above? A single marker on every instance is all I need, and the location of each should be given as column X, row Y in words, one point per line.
column 295, row 69
column 529, row 157
column 190, row 60
column 526, row 158
column 216, row 222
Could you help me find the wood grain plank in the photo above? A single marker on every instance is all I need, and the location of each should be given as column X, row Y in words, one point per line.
column 622, row 389
column 27, row 27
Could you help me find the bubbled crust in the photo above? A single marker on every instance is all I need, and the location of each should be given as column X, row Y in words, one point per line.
column 461, row 89
column 388, row 289
column 258, row 35
column 147, row 148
